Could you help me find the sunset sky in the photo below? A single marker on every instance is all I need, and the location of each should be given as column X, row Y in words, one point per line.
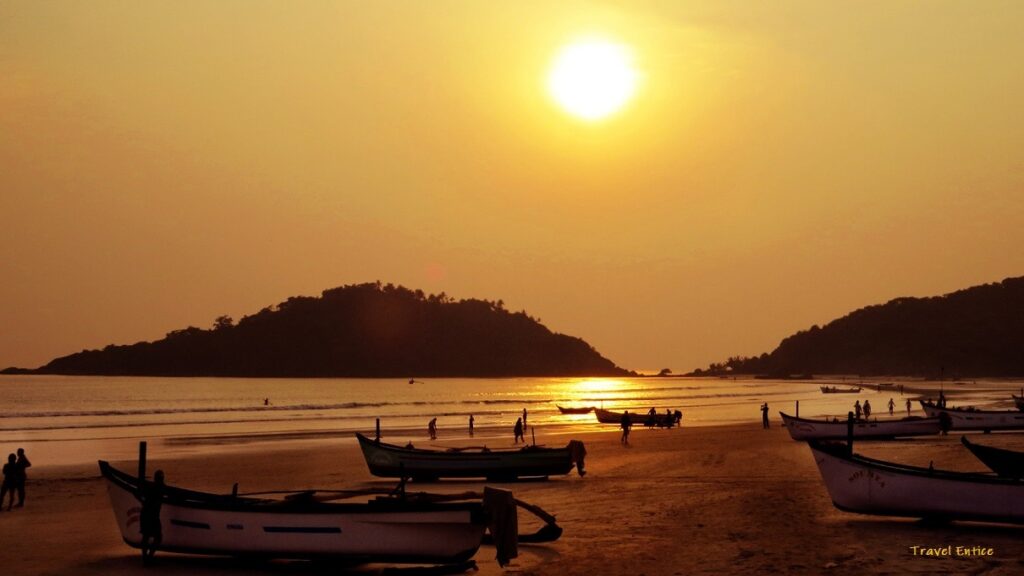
column 778, row 165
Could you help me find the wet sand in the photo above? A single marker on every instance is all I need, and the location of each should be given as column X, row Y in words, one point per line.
column 711, row 500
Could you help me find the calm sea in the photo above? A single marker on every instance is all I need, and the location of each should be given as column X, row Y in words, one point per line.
column 74, row 420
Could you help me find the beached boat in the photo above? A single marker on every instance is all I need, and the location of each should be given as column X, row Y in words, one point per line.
column 391, row 461
column 805, row 429
column 387, row 529
column 868, row 486
column 974, row 419
column 835, row 390
column 635, row 418
column 585, row 410
column 1006, row 463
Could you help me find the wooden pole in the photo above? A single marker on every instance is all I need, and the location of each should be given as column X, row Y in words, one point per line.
column 378, row 429
column 797, row 408
column 533, row 432
column 142, row 462
column 849, row 432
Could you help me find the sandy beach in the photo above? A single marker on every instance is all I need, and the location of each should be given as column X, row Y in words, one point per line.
column 711, row 500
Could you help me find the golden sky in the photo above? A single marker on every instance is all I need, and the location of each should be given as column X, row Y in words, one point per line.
column 782, row 163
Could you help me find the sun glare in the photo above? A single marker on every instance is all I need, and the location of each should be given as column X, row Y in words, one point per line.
column 592, row 79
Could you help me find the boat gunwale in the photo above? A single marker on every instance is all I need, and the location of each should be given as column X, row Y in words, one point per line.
column 839, row 451
column 192, row 499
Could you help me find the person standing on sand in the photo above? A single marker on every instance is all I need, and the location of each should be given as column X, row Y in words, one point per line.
column 470, row 425
column 22, row 475
column 892, row 405
column 518, row 432
column 625, row 423
column 524, row 418
column 432, row 428
column 10, row 472
column 856, row 409
column 867, row 409
column 764, row 416
column 908, row 406
column 152, row 497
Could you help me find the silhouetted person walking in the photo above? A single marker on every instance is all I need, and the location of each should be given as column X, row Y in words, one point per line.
column 892, row 406
column 856, row 409
column 625, row 423
column 432, row 428
column 764, row 416
column 470, row 425
column 518, row 432
column 908, row 406
column 524, row 418
column 867, row 409
column 10, row 473
column 21, row 467
column 152, row 498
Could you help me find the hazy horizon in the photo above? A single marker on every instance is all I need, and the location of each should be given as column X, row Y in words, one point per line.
column 777, row 167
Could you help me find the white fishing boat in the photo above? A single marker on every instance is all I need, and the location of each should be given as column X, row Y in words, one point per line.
column 836, row 429
column 974, row 419
column 394, row 529
column 868, row 486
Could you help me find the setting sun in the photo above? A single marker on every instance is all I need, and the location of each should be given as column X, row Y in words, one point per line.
column 592, row 79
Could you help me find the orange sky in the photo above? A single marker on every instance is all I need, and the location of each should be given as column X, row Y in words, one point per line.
column 162, row 163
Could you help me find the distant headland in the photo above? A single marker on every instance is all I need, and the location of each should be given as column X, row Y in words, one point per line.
column 363, row 330
column 977, row 332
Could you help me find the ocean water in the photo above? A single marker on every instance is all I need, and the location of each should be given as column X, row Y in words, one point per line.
column 73, row 420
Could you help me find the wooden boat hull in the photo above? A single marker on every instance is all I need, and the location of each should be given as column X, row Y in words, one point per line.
column 387, row 531
column 586, row 410
column 986, row 420
column 390, row 461
column 867, row 486
column 635, row 418
column 1005, row 463
column 804, row 429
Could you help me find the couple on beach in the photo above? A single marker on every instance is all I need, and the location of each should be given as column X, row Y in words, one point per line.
column 14, row 479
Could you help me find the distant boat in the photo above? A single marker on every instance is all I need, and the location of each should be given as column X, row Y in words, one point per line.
column 1018, row 401
column 804, row 429
column 388, row 529
column 635, row 418
column 392, row 461
column 835, row 390
column 974, row 419
column 1006, row 463
column 868, row 486
column 586, row 410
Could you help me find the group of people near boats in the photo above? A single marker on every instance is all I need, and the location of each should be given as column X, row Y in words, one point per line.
column 15, row 476
column 865, row 410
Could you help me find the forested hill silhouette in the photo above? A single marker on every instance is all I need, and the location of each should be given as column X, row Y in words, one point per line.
column 978, row 331
column 364, row 330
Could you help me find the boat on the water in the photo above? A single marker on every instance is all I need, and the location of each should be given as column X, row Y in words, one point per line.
column 836, row 429
column 975, row 419
column 868, row 486
column 1006, row 463
column 837, row 390
column 393, row 529
column 635, row 418
column 1018, row 401
column 585, row 410
column 392, row 461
